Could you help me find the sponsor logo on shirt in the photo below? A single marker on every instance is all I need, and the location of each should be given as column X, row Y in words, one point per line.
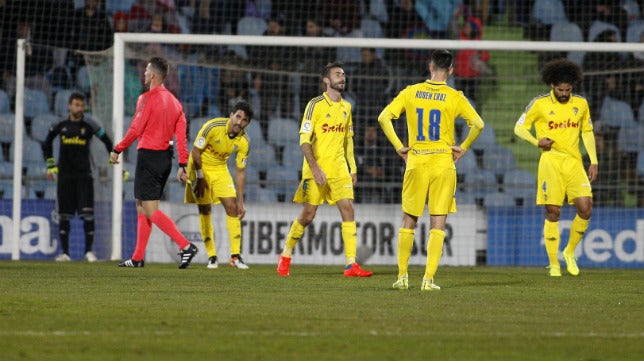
column 562, row 125
column 337, row 128
column 306, row 127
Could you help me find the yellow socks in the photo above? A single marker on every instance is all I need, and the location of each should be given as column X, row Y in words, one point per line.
column 349, row 237
column 233, row 224
column 294, row 235
column 207, row 234
column 405, row 245
column 434, row 252
column 577, row 230
column 551, row 237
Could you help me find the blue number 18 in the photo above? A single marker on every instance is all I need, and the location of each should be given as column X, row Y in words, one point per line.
column 434, row 128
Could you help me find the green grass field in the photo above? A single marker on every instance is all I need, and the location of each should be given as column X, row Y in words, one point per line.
column 81, row 311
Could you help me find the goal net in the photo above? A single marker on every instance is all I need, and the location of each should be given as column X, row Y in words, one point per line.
column 497, row 222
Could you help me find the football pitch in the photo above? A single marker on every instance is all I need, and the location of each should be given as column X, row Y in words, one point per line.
column 81, row 311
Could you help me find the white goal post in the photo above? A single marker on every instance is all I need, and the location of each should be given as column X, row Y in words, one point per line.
column 121, row 39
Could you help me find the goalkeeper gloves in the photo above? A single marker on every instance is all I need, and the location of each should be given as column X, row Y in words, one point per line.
column 52, row 169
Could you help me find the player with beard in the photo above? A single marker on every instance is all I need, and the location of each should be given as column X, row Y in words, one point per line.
column 159, row 118
column 329, row 169
column 75, row 188
column 560, row 118
column 211, row 182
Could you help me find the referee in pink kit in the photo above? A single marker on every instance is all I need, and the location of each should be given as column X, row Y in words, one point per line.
column 159, row 116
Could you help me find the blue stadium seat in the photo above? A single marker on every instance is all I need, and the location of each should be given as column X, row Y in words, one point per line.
column 36, row 102
column 549, row 12
column 632, row 10
column 499, row 199
column 254, row 131
column 282, row 180
column 520, row 184
column 616, row 113
column 630, row 139
column 7, row 127
column 262, row 157
column 40, row 125
column 569, row 32
column 499, row 159
column 195, row 127
column 634, row 31
column 371, row 28
column 61, row 102
column 248, row 25
column 5, row 104
column 292, row 156
column 283, row 131
column 640, row 164
column 486, row 139
column 597, row 27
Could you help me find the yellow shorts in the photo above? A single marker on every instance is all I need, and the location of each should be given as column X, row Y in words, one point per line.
column 334, row 190
column 561, row 177
column 436, row 185
column 220, row 185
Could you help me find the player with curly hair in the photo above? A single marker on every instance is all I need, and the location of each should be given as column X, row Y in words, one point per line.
column 560, row 118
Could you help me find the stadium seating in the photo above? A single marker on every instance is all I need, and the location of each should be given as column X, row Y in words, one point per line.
column 549, row 12
column 7, row 127
column 640, row 164
column 569, row 32
column 5, row 104
column 61, row 101
column 248, row 25
column 292, row 156
column 282, row 180
column 283, row 131
column 6, row 189
column 36, row 102
column 615, row 113
column 598, row 27
column 498, row 159
column 263, row 157
column 195, row 127
column 632, row 9
column 521, row 184
column 499, row 199
column 371, row 28
column 32, row 156
column 630, row 139
column 634, row 31
column 40, row 125
column 486, row 139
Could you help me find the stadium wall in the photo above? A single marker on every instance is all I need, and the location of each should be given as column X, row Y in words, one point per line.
column 511, row 236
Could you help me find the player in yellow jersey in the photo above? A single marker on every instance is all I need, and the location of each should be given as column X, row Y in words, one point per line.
column 560, row 118
column 326, row 138
column 431, row 108
column 211, row 181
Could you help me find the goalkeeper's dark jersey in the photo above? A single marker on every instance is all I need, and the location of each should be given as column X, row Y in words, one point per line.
column 75, row 137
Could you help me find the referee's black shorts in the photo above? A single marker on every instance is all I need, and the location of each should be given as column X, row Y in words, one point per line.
column 152, row 170
column 75, row 192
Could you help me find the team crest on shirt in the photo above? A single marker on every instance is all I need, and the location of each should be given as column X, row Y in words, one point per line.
column 306, row 126
column 552, row 112
column 201, row 141
column 575, row 110
column 345, row 114
column 82, row 131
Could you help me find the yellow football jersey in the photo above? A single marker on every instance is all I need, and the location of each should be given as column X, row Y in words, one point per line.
column 213, row 140
column 563, row 123
column 326, row 125
column 431, row 108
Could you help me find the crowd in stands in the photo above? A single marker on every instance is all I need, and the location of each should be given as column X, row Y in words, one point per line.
column 283, row 79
